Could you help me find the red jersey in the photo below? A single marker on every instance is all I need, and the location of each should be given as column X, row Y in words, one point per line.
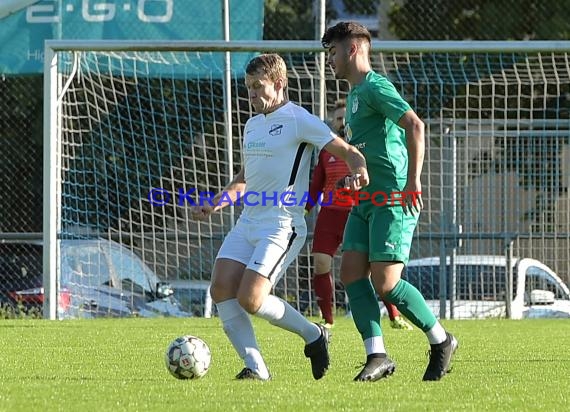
column 328, row 171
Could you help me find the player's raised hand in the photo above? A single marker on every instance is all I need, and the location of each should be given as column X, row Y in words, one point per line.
column 201, row 212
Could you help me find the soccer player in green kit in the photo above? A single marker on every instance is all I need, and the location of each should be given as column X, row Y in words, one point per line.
column 377, row 238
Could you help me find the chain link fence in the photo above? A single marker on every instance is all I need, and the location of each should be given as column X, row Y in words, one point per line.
column 21, row 158
column 21, row 183
column 423, row 19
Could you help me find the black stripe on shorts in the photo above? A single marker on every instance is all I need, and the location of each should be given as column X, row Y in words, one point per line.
column 273, row 274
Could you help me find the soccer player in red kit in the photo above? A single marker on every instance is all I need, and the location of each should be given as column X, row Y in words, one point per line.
column 330, row 225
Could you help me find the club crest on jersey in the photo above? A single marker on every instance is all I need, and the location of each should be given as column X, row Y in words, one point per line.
column 355, row 104
column 275, row 129
column 348, row 132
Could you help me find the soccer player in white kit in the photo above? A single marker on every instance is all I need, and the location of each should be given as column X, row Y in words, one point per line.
column 271, row 230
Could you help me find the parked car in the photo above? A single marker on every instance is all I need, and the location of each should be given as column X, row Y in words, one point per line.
column 480, row 290
column 98, row 278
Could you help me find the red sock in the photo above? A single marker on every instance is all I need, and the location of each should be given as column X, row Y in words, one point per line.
column 392, row 310
column 324, row 292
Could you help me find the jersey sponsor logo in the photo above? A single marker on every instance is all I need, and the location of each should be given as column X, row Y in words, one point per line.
column 275, row 129
column 355, row 104
column 255, row 145
column 257, row 149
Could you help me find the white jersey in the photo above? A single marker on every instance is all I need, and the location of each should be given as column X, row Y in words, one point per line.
column 277, row 151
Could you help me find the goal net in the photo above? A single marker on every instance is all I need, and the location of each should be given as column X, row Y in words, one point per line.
column 135, row 132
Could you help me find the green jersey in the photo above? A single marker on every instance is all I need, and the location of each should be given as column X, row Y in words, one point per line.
column 373, row 110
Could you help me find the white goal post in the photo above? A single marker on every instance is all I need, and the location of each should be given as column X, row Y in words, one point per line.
column 133, row 130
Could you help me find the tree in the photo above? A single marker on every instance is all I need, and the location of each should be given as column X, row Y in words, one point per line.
column 363, row 7
column 292, row 19
column 480, row 20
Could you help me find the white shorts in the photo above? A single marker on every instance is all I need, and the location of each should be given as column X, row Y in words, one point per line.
column 263, row 249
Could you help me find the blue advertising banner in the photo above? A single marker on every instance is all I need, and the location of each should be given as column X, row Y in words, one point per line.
column 25, row 24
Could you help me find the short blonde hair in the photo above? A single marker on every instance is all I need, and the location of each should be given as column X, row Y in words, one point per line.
column 271, row 64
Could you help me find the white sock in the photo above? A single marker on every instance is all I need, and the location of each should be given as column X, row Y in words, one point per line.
column 436, row 334
column 375, row 344
column 237, row 326
column 280, row 313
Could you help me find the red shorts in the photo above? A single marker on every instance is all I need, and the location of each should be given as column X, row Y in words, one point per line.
column 329, row 230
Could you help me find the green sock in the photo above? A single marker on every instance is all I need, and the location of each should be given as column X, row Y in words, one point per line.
column 412, row 305
column 365, row 309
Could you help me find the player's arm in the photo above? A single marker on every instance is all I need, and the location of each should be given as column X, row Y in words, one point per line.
column 230, row 192
column 355, row 161
column 415, row 142
column 315, row 131
column 224, row 198
column 317, row 184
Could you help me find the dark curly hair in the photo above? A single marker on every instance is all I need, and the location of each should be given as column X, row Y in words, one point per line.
column 345, row 30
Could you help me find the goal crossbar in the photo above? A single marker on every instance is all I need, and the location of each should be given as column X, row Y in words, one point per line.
column 487, row 46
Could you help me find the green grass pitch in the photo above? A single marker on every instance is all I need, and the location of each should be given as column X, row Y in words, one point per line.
column 118, row 365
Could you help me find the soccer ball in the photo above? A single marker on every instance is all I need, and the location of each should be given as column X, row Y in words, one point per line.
column 187, row 357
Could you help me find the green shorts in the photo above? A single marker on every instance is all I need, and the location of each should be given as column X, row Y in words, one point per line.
column 384, row 233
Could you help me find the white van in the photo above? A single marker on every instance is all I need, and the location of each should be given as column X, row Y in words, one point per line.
column 480, row 287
